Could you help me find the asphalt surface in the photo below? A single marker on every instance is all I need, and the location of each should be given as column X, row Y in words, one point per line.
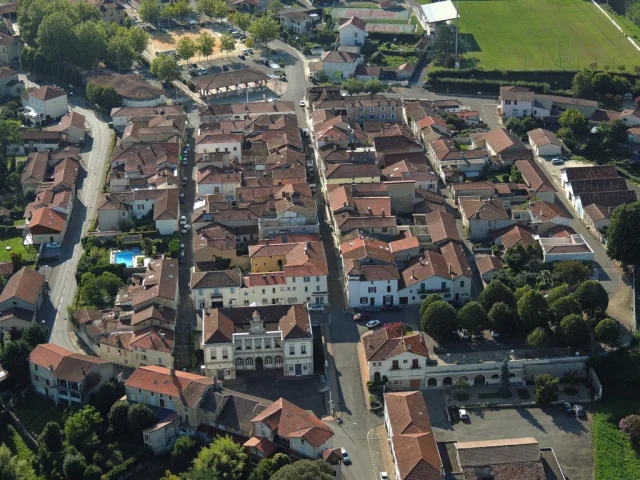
column 61, row 274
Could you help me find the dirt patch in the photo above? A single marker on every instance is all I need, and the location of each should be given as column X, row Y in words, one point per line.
column 162, row 41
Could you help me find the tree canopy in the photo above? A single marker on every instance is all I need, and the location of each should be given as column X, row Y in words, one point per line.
column 496, row 292
column 533, row 311
column 305, row 470
column 539, row 338
column 570, row 272
column 574, row 331
column 592, row 297
column 223, row 456
column 83, row 428
column 264, row 29
column 623, row 234
column 472, row 317
column 439, row 320
column 166, row 68
column 607, row 331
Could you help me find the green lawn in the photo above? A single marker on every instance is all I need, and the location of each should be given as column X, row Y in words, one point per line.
column 36, row 411
column 613, row 456
column 16, row 247
column 503, row 34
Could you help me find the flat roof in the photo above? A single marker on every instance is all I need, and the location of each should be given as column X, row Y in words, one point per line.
column 439, row 11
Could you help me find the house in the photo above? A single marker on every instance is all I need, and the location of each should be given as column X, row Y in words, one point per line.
column 66, row 377
column 545, row 216
column 597, row 207
column 413, row 445
column 156, row 130
column 630, row 117
column 300, row 22
column 159, row 286
column 422, row 177
column 116, row 209
column 36, row 141
column 141, row 165
column 10, row 84
column 44, row 104
column 341, row 173
column 257, row 338
column 580, row 180
column 352, row 32
column 211, row 289
column 544, row 143
column 442, row 228
column 337, row 65
column 21, row 299
column 573, row 247
column 147, row 346
column 214, row 181
column 168, row 392
column 433, row 14
column 46, row 225
column 73, row 126
column 481, row 217
column 282, row 422
column 361, row 107
column 10, row 48
column 513, row 235
column 455, row 165
column 230, row 145
column 400, row 358
column 473, row 189
column 536, row 180
column 217, row 243
column 223, row 83
column 516, row 101
column 121, row 116
column 111, row 10
column 132, row 89
column 505, row 459
column 500, row 140
column 488, row 266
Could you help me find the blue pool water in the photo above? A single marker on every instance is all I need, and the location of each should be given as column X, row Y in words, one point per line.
column 125, row 257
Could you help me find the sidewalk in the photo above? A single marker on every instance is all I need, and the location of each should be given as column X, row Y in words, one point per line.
column 385, row 452
column 583, row 396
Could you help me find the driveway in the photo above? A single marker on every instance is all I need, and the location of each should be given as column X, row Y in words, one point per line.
column 569, row 437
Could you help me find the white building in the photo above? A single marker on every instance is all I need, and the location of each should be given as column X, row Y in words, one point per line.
column 573, row 247
column 257, row 338
column 433, row 14
column 544, row 143
column 353, row 32
column 286, row 424
column 402, row 359
column 413, row 445
column 516, row 101
column 116, row 209
column 340, row 65
column 44, row 104
column 216, row 288
column 230, row 145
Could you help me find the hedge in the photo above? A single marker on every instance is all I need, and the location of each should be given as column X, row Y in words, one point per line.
column 120, row 470
column 8, row 231
column 396, row 37
column 485, row 86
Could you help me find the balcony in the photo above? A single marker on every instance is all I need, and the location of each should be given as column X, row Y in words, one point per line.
column 433, row 290
column 216, row 295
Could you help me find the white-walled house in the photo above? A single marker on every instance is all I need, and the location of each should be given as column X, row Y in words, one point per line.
column 44, row 104
column 352, row 32
column 371, row 285
column 116, row 209
column 21, row 299
column 544, row 143
column 516, row 101
column 340, row 65
column 216, row 288
column 257, row 338
column 402, row 359
column 283, row 422
column 562, row 249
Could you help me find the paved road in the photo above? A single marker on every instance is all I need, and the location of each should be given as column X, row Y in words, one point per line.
column 61, row 275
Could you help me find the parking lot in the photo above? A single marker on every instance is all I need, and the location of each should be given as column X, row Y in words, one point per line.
column 569, row 437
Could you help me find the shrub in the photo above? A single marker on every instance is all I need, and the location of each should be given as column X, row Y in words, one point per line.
column 607, row 331
column 631, row 426
column 461, row 396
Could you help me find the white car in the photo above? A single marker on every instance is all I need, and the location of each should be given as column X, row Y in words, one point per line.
column 53, row 245
column 302, row 103
column 495, row 334
column 384, row 476
column 183, row 221
column 345, row 457
column 463, row 414
column 315, row 307
column 185, row 229
column 372, row 324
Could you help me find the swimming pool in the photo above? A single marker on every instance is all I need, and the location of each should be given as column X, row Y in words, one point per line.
column 125, row 256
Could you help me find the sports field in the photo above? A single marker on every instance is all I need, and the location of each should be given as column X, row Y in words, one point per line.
column 519, row 34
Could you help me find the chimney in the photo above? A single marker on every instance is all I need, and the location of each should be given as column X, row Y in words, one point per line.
column 172, row 372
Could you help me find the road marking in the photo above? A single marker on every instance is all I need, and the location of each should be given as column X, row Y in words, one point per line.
column 373, row 462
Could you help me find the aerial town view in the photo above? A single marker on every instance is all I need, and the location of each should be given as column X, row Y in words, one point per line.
column 319, row 239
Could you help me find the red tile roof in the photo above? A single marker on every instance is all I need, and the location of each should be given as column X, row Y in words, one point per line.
column 66, row 365
column 26, row 284
column 385, row 343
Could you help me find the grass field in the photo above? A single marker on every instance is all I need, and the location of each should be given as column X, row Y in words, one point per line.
column 504, row 34
column 16, row 247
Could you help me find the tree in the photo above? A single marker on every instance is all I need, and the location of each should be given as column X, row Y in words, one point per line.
column 183, row 451
column 90, row 44
column 108, row 393
column 570, row 272
column 275, row 7
column 13, row 356
column 242, row 21
column 502, row 318
column 592, row 297
column 431, row 298
column 574, row 331
column 565, row 306
column 633, row 13
column 472, row 317
column 582, row 84
column 268, row 466
column 515, row 258
column 557, row 293
column 92, row 472
column 398, row 327
column 623, row 234
column 186, row 48
column 352, row 85
column 150, row 11
column 373, row 86
column 223, row 456
column 607, row 331
column 220, row 9
column 264, row 29
column 56, row 40
column 533, row 311
column 206, row 7
column 107, row 98
column 445, row 42
column 82, row 429
column 227, row 43
column 504, row 390
column 439, row 320
column 120, row 53
column 496, row 292
column 166, row 68
column 546, row 389
column 14, row 467
column 305, row 470
column 461, row 383
column 140, row 417
column 34, row 335
column 74, row 466
column 539, row 338
column 574, row 119
column 51, row 437
column 631, row 426
column 206, row 44
column 118, row 417
column 139, row 39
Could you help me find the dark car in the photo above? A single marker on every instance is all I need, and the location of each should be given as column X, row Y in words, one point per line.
column 182, row 198
column 181, row 257
column 361, row 317
column 225, row 68
column 194, row 65
column 242, row 57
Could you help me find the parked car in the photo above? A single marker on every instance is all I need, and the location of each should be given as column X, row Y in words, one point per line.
column 557, row 161
column 345, row 457
column 315, row 307
column 494, row 334
column 384, row 476
column 185, row 180
column 579, row 411
column 371, row 324
column 464, row 335
column 361, row 317
column 183, row 220
column 181, row 257
column 250, row 51
column 242, row 56
column 463, row 414
column 193, row 65
column 53, row 245
column 182, row 198
column 185, row 229
column 391, row 308
column 225, row 68
column 568, row 408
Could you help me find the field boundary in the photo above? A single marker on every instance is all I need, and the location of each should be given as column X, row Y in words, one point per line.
column 616, row 25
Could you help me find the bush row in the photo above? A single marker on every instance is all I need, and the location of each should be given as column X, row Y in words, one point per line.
column 485, row 86
column 7, row 231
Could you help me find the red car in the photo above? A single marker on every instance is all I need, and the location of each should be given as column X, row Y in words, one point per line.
column 361, row 317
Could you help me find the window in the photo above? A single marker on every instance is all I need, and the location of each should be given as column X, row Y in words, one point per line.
column 35, row 367
column 213, row 354
column 507, row 102
column 371, row 109
column 303, row 349
column 306, row 289
column 361, row 109
column 278, row 360
column 388, row 289
column 293, row 279
column 382, row 109
column 393, row 116
column 363, row 300
column 225, row 354
column 306, row 279
column 462, row 284
column 414, row 363
column 317, row 279
column 405, row 361
column 317, row 288
column 292, row 349
column 291, row 368
column 395, row 365
column 382, row 115
column 372, row 289
column 268, row 360
column 372, row 117
column 249, row 362
column 239, row 362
